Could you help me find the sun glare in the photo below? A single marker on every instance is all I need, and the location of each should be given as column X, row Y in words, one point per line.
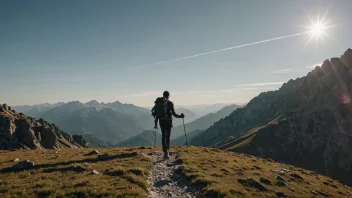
column 318, row 29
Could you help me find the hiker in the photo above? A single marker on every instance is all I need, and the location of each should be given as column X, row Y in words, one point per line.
column 163, row 111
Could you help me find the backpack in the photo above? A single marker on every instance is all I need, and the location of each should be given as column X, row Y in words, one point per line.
column 160, row 108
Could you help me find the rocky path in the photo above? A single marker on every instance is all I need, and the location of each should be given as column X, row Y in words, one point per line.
column 167, row 179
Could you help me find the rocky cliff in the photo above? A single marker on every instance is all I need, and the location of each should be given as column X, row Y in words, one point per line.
column 306, row 122
column 311, row 140
column 20, row 131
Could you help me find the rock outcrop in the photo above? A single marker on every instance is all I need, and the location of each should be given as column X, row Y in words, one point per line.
column 307, row 122
column 20, row 131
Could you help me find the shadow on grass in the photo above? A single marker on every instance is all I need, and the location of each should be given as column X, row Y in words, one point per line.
column 104, row 157
column 6, row 161
column 77, row 169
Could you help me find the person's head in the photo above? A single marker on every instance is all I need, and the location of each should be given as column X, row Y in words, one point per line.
column 166, row 94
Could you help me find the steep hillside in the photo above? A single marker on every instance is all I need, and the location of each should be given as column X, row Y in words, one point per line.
column 316, row 119
column 204, row 109
column 181, row 140
column 95, row 142
column 19, row 131
column 139, row 172
column 103, row 123
column 146, row 138
column 191, row 116
column 226, row 174
column 142, row 115
column 310, row 140
column 204, row 122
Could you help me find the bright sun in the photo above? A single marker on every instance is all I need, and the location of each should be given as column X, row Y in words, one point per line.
column 318, row 29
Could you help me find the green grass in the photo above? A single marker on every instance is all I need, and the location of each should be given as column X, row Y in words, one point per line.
column 216, row 174
column 67, row 174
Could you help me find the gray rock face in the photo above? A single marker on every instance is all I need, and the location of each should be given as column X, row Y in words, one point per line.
column 326, row 87
column 307, row 122
column 19, row 131
column 80, row 140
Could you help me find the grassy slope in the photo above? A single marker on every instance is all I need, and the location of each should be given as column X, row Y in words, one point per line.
column 218, row 173
column 214, row 171
column 62, row 174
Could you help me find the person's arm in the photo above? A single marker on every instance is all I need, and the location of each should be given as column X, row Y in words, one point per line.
column 174, row 113
column 156, row 123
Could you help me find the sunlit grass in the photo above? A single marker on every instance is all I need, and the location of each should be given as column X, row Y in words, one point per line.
column 217, row 172
column 67, row 173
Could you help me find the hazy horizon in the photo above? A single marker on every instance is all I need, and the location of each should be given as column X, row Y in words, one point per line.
column 203, row 52
column 150, row 105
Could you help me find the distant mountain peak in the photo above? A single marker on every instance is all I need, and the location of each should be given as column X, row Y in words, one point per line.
column 116, row 103
column 74, row 102
column 92, row 102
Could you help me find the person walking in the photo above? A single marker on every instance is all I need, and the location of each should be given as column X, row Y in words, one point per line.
column 163, row 111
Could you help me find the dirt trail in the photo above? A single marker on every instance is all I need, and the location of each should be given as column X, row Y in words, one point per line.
column 167, row 178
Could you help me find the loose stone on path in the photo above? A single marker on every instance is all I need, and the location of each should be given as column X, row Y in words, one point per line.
column 166, row 179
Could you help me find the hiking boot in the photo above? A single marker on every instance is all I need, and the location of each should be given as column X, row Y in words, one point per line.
column 166, row 155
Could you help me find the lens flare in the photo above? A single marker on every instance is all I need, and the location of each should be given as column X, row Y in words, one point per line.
column 318, row 29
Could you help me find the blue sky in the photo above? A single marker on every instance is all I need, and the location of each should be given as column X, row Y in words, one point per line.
column 54, row 51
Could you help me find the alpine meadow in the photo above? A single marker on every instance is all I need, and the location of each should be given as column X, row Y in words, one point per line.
column 183, row 99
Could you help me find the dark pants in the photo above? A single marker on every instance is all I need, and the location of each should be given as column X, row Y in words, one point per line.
column 165, row 126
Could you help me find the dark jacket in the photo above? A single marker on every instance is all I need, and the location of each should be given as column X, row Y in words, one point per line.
column 171, row 111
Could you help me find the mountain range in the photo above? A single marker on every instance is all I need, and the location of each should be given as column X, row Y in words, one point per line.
column 35, row 110
column 146, row 138
column 204, row 109
column 307, row 122
column 18, row 131
column 203, row 122
column 108, row 122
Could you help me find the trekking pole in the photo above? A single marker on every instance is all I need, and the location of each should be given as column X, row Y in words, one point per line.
column 155, row 139
column 184, row 128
